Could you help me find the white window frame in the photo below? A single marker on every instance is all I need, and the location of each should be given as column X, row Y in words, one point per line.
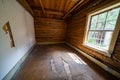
column 115, row 32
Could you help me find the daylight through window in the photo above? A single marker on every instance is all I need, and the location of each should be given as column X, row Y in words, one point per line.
column 101, row 28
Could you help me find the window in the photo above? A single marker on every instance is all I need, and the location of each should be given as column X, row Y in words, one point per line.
column 101, row 29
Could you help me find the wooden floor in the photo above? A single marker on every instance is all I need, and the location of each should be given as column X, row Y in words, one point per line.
column 59, row 62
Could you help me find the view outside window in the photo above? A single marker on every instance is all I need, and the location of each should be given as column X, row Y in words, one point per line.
column 101, row 28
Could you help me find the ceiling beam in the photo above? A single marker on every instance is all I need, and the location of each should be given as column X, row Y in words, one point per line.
column 43, row 10
column 92, row 4
column 67, row 14
column 48, row 11
column 26, row 6
column 82, row 4
column 37, row 19
column 54, row 12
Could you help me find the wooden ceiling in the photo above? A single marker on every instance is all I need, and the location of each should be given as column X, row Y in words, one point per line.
column 54, row 9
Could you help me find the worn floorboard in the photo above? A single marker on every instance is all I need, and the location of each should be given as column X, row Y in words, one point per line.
column 59, row 62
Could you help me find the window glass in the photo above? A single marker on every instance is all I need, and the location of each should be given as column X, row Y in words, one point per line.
column 113, row 14
column 101, row 28
column 102, row 17
column 93, row 26
column 110, row 25
column 100, row 25
column 94, row 19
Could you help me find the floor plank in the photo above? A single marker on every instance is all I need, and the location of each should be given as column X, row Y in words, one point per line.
column 59, row 62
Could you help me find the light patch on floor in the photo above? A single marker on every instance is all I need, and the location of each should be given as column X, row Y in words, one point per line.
column 53, row 66
column 67, row 69
column 59, row 62
column 76, row 58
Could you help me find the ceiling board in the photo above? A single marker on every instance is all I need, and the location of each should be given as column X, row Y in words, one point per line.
column 55, row 9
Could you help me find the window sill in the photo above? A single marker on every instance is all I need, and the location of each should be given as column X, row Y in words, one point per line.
column 104, row 52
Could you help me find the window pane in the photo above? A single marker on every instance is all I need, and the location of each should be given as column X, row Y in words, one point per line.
column 102, row 17
column 98, row 38
column 91, row 37
column 93, row 26
column 99, row 35
column 95, row 38
column 94, row 19
column 107, row 39
column 96, row 35
column 100, row 25
column 110, row 25
column 113, row 14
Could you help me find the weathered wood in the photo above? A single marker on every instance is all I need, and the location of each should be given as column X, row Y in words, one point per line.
column 49, row 30
column 54, row 12
column 54, row 9
column 72, row 9
column 75, row 36
column 42, row 7
column 116, row 55
column 53, row 62
column 48, row 11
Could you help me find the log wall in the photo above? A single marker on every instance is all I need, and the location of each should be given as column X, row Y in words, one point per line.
column 75, row 35
column 49, row 30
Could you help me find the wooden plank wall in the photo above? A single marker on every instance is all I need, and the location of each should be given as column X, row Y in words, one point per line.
column 75, row 35
column 116, row 55
column 49, row 30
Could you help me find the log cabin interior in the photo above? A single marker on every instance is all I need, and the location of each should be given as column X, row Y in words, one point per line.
column 59, row 39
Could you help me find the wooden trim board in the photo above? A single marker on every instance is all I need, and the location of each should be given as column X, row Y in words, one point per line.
column 45, row 43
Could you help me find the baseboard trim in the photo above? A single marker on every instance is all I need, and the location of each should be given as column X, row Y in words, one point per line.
column 106, row 68
column 45, row 43
column 16, row 67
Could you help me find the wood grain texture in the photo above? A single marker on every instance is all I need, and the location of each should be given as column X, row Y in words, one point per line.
column 54, row 8
column 75, row 36
column 116, row 55
column 59, row 62
column 73, row 8
column 49, row 30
